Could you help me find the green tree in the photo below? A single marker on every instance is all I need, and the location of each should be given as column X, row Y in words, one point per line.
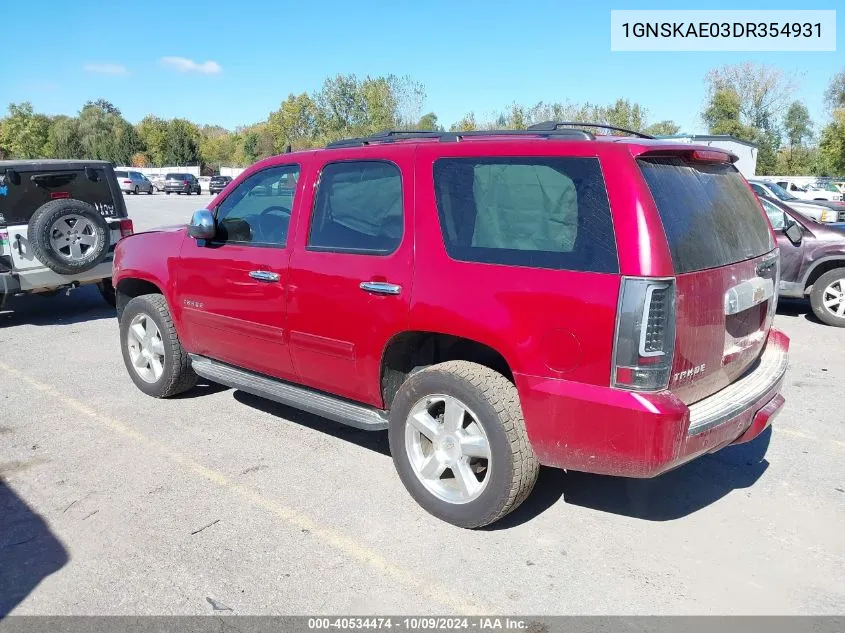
column 103, row 134
column 153, row 134
column 217, row 147
column 762, row 91
column 663, row 128
column 834, row 96
column 428, row 121
column 63, row 138
column 181, row 143
column 798, row 128
column 723, row 114
column 624, row 114
column 832, row 144
column 294, row 123
column 466, row 124
column 24, row 133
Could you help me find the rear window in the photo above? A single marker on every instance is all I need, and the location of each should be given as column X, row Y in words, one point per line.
column 121, row 174
column 542, row 212
column 174, row 177
column 709, row 215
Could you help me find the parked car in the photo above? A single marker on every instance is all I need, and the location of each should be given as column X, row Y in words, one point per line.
column 812, row 259
column 218, row 184
column 181, row 183
column 810, row 192
column 818, row 210
column 546, row 296
column 157, row 180
column 59, row 223
column 133, row 182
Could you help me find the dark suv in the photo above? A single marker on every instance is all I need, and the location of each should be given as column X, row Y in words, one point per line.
column 218, row 184
column 496, row 300
column 181, row 183
column 812, row 259
column 59, row 223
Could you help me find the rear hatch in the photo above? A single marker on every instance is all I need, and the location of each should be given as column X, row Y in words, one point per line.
column 726, row 267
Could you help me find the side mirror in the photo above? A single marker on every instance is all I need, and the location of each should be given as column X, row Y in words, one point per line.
column 793, row 232
column 201, row 226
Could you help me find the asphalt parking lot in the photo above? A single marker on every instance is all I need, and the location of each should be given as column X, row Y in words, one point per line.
column 112, row 502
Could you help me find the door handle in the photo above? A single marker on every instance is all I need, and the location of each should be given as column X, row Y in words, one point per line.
column 381, row 287
column 264, row 275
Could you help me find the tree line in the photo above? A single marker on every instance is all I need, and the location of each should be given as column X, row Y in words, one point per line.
column 751, row 102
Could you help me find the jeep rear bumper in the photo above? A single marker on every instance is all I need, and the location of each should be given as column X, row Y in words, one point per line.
column 42, row 278
column 614, row 432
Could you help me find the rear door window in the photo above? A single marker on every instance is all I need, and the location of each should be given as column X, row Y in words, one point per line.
column 543, row 212
column 710, row 217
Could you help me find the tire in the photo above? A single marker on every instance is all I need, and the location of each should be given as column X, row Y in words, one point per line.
column 167, row 192
column 176, row 374
column 150, row 190
column 492, row 409
column 829, row 287
column 62, row 247
column 107, row 292
column 136, row 190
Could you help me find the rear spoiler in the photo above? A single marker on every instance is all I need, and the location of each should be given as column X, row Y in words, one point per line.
column 695, row 154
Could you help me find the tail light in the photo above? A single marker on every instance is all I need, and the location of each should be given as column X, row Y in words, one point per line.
column 127, row 182
column 187, row 182
column 126, row 228
column 645, row 334
column 59, row 195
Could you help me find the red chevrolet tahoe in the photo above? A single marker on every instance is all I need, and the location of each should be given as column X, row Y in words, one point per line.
column 495, row 300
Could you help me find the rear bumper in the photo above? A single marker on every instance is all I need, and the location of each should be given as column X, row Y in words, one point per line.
column 177, row 188
column 42, row 278
column 613, row 432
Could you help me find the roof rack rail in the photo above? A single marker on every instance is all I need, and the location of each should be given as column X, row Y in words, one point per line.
column 550, row 126
column 389, row 136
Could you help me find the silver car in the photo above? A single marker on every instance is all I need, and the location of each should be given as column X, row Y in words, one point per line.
column 133, row 182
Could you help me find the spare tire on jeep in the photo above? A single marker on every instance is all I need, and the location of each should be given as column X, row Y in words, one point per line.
column 68, row 236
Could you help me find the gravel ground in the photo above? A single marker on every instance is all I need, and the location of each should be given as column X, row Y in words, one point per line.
column 112, row 502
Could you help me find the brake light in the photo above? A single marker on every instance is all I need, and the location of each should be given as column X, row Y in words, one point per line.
column 187, row 182
column 710, row 156
column 645, row 334
column 59, row 195
column 127, row 182
column 126, row 228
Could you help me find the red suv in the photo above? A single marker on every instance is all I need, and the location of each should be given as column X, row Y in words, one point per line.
column 496, row 300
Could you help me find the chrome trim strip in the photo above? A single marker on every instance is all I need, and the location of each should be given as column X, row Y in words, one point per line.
column 748, row 294
column 736, row 397
column 350, row 413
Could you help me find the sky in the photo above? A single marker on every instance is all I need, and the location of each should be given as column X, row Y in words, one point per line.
column 232, row 63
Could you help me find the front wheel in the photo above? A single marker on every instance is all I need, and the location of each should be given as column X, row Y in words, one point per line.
column 459, row 443
column 828, row 297
column 155, row 359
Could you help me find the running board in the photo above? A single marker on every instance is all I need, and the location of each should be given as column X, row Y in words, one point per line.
column 358, row 415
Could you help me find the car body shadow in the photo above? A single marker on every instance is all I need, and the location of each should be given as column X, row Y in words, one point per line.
column 29, row 552
column 671, row 496
column 82, row 304
column 788, row 307
column 373, row 440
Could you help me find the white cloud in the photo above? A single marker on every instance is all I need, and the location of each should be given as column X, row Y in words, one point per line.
column 185, row 65
column 106, row 69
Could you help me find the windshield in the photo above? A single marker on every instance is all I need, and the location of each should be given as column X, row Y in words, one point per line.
column 780, row 192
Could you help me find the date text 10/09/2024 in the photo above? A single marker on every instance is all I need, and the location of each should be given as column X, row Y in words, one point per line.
column 721, row 29
column 420, row 623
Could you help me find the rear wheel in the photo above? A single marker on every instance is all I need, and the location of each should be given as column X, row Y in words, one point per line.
column 828, row 297
column 135, row 191
column 459, row 443
column 152, row 353
column 167, row 192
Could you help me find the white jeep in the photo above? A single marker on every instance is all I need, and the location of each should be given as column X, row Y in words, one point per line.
column 59, row 223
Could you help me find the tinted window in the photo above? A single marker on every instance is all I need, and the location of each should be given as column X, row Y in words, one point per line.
column 540, row 212
column 709, row 216
column 358, row 208
column 760, row 191
column 121, row 174
column 258, row 210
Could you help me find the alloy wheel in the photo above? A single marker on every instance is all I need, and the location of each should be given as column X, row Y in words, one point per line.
column 448, row 448
column 73, row 237
column 833, row 298
column 146, row 348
